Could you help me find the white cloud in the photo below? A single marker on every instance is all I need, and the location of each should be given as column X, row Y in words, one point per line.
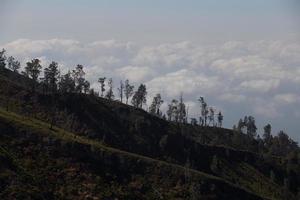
column 135, row 73
column 287, row 98
column 232, row 97
column 260, row 85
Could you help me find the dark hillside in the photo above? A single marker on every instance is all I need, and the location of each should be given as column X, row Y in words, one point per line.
column 60, row 165
column 134, row 145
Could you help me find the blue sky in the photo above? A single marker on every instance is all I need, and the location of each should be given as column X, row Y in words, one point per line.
column 243, row 56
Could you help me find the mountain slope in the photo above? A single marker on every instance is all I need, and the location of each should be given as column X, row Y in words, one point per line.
column 65, row 165
column 125, row 147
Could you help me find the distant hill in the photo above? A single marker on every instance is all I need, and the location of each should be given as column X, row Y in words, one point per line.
column 77, row 146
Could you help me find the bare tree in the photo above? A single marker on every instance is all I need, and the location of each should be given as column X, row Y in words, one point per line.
column 220, row 119
column 110, row 94
column 181, row 110
column 128, row 90
column 211, row 116
column 204, row 110
column 121, row 90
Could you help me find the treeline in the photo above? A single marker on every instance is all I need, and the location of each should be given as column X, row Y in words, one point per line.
column 280, row 144
column 53, row 82
column 74, row 81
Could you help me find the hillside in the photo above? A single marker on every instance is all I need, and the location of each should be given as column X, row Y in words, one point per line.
column 105, row 149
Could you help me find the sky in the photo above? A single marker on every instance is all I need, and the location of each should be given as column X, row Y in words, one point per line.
column 242, row 56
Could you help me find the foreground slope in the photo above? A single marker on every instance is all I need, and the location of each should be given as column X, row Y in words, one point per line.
column 47, row 164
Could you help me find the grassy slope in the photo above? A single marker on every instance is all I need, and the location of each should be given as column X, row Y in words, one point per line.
column 215, row 187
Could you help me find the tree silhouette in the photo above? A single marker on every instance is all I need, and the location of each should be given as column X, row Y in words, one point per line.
column 51, row 75
column 78, row 76
column 155, row 105
column 110, row 95
column 121, row 90
column 102, row 85
column 2, row 59
column 128, row 90
column 204, row 110
column 67, row 83
column 33, row 70
column 13, row 64
column 220, row 119
column 139, row 97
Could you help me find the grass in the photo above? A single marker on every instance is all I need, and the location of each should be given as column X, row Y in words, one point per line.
column 39, row 127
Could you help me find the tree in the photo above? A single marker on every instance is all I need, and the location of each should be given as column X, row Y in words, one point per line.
column 2, row 59
column 128, row 90
column 155, row 105
column 181, row 110
column 13, row 64
column 267, row 136
column 139, row 97
column 110, row 95
column 220, row 119
column 211, row 116
column 51, row 75
column 173, row 111
column 251, row 127
column 204, row 110
column 86, row 87
column 121, row 90
column 78, row 76
column 194, row 121
column 102, row 85
column 67, row 84
column 241, row 126
column 33, row 70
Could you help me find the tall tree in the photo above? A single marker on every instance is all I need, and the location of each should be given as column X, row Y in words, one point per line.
column 2, row 59
column 173, row 111
column 121, row 90
column 128, row 90
column 204, row 110
column 78, row 75
column 211, row 116
column 13, row 64
column 67, row 84
column 110, row 94
column 220, row 119
column 139, row 97
column 267, row 136
column 33, row 70
column 181, row 110
column 51, row 75
column 251, row 127
column 102, row 85
column 155, row 105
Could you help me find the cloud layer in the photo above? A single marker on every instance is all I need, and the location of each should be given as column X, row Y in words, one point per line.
column 261, row 78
